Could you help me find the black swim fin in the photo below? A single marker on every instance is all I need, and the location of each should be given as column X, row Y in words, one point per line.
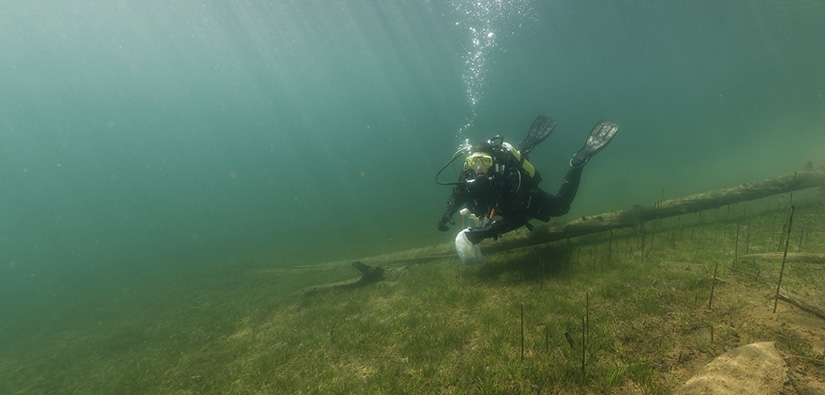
column 601, row 135
column 539, row 130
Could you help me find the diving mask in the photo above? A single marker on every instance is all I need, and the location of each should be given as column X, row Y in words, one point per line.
column 479, row 161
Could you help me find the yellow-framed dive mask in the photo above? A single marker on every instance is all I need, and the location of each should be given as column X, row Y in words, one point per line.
column 479, row 160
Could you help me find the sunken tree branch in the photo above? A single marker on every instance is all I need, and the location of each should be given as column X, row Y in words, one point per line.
column 638, row 215
column 631, row 218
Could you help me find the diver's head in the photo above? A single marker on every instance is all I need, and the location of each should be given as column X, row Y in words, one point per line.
column 481, row 157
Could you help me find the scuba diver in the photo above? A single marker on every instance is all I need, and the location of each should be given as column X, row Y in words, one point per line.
column 498, row 181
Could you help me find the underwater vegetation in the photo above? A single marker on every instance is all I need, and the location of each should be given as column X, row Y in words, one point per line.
column 615, row 312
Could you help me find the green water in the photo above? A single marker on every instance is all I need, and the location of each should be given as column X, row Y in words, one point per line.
column 145, row 139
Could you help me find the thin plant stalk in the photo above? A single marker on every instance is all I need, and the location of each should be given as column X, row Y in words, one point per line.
column 584, row 344
column 610, row 243
column 736, row 246
column 643, row 247
column 713, row 284
column 790, row 203
column 655, row 225
column 587, row 309
column 522, row 331
column 784, row 258
column 585, row 328
column 547, row 339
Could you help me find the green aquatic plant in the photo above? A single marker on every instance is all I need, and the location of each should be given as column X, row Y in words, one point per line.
column 439, row 327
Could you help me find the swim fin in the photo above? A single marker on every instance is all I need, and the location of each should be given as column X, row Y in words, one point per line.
column 539, row 130
column 601, row 135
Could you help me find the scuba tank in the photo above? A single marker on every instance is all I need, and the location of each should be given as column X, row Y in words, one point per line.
column 521, row 161
column 522, row 164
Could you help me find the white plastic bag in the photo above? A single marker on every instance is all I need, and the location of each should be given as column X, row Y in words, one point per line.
column 469, row 253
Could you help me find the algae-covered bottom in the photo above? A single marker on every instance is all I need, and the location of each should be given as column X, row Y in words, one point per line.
column 640, row 302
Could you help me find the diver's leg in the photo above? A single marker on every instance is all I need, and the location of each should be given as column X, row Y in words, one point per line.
column 599, row 137
column 559, row 205
column 543, row 205
column 569, row 186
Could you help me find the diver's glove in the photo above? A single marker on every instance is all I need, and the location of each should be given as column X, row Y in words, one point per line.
column 599, row 137
column 442, row 223
column 488, row 229
column 475, row 235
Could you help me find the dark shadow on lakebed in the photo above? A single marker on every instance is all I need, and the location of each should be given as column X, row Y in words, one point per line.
column 536, row 264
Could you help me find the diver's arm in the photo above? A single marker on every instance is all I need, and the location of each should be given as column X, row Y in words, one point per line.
column 516, row 216
column 454, row 203
column 494, row 229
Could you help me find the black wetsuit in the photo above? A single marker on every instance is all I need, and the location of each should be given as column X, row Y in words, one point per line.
column 509, row 192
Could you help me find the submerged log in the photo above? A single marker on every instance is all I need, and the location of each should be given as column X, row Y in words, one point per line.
column 638, row 215
column 369, row 274
column 631, row 218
